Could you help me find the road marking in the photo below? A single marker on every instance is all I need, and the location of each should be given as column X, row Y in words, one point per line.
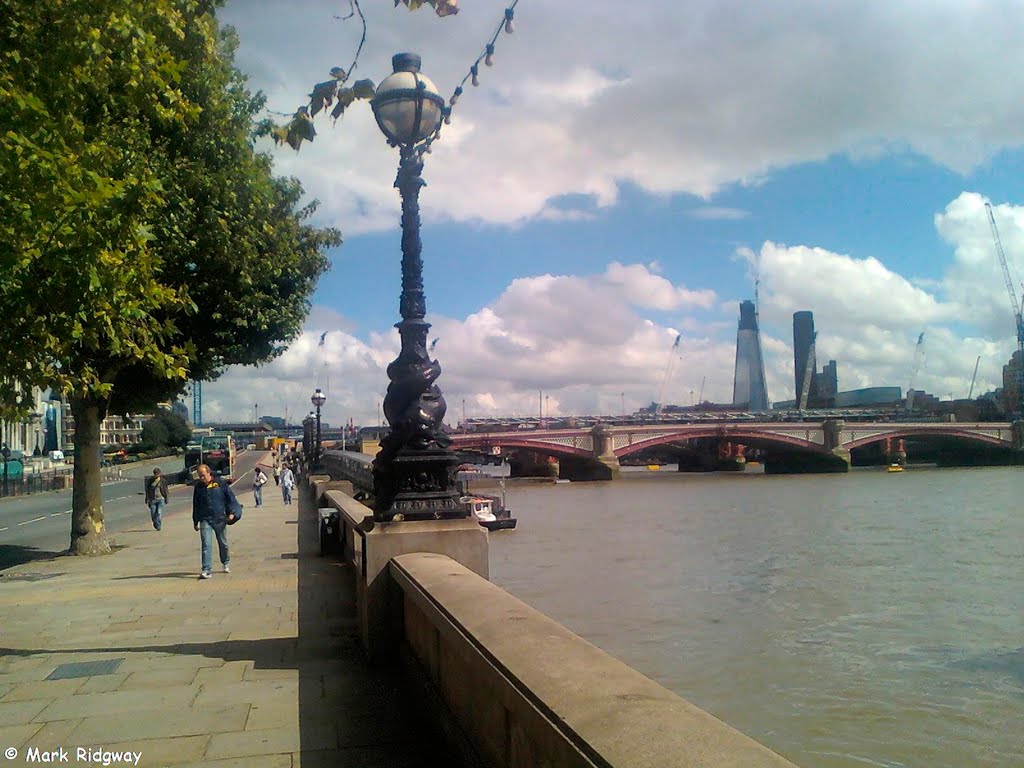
column 33, row 520
column 3, row 529
column 68, row 511
column 56, row 514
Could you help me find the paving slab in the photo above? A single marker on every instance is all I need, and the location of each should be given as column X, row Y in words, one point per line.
column 259, row 668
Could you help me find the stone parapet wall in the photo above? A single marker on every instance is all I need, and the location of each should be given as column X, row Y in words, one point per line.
column 525, row 691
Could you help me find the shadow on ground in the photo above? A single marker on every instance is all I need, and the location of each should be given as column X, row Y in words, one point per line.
column 16, row 554
column 372, row 707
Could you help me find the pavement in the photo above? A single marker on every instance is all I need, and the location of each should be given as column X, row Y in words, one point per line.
column 129, row 658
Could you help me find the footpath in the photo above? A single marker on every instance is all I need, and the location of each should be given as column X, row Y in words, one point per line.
column 131, row 659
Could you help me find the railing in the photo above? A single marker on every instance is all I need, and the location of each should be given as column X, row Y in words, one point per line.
column 51, row 480
column 349, row 465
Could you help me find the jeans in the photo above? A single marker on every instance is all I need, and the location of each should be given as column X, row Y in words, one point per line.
column 257, row 493
column 286, row 492
column 206, row 532
column 156, row 511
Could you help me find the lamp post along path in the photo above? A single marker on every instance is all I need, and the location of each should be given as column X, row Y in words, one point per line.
column 414, row 472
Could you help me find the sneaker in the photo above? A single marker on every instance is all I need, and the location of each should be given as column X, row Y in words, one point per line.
column 227, row 568
column 205, row 575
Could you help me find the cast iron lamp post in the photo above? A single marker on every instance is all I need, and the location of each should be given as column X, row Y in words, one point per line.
column 414, row 473
column 318, row 399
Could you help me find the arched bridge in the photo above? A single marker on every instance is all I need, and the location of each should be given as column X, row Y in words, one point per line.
column 606, row 444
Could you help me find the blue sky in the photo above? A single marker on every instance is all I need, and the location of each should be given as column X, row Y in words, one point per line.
column 621, row 175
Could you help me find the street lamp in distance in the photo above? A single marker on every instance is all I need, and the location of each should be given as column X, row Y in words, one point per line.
column 414, row 473
column 318, row 399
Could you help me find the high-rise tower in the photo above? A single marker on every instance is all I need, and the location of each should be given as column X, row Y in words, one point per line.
column 748, row 388
column 803, row 354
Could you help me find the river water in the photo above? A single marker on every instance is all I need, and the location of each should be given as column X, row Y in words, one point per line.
column 866, row 619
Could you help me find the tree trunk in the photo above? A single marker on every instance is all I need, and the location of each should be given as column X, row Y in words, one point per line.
column 88, row 536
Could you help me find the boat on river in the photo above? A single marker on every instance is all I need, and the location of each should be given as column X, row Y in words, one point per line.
column 490, row 512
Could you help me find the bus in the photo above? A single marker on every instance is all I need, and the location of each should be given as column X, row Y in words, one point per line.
column 216, row 451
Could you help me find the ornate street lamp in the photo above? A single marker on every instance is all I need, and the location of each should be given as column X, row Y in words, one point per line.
column 307, row 439
column 414, row 473
column 318, row 399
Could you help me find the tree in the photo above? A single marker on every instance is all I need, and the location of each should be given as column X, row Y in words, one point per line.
column 165, row 430
column 142, row 241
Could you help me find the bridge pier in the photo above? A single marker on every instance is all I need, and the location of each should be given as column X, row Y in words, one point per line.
column 835, row 461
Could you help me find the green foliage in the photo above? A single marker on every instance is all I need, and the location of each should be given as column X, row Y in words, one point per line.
column 165, row 430
column 154, row 435
column 142, row 241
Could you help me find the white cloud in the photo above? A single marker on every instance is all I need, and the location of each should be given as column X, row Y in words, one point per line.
column 587, row 96
column 590, row 342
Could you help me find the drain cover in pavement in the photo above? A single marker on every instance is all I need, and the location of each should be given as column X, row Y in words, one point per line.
column 85, row 669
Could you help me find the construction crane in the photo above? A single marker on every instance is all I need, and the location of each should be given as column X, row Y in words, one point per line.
column 673, row 356
column 808, row 374
column 1013, row 301
column 918, row 359
column 974, row 377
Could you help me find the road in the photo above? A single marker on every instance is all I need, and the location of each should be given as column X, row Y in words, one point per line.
column 40, row 525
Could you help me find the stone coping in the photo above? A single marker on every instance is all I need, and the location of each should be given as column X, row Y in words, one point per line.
column 598, row 707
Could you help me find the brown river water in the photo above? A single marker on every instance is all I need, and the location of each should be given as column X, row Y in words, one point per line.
column 867, row 619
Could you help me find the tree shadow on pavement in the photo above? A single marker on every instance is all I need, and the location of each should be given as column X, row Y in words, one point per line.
column 16, row 554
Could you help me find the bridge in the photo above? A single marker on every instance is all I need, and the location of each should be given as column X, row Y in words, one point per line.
column 595, row 452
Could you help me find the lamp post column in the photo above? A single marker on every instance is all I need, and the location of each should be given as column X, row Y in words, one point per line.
column 414, row 473
column 319, row 448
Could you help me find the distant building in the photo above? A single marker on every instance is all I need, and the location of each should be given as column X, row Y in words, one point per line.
column 748, row 389
column 869, row 396
column 1011, row 383
column 277, row 422
column 803, row 355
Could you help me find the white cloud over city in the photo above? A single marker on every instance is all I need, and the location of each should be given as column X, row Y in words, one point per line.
column 592, row 343
column 588, row 97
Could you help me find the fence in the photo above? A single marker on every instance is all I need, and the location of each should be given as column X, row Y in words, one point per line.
column 50, row 480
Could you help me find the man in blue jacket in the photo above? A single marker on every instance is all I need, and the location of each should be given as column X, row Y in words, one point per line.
column 213, row 506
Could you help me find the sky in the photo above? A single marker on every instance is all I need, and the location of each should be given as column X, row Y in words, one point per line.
column 625, row 173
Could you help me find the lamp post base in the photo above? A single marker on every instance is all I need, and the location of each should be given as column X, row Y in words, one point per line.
column 425, row 485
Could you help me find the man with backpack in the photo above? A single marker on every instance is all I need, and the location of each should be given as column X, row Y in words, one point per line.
column 214, row 507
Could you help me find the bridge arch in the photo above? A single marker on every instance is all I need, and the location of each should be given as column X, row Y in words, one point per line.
column 746, row 437
column 959, row 433
column 558, row 450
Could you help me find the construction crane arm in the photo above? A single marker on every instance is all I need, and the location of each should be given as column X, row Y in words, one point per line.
column 1002, row 262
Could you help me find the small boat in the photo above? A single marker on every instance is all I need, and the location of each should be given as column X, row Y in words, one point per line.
column 482, row 508
column 894, row 468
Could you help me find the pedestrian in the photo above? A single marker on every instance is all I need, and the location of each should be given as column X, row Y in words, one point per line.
column 277, row 473
column 287, row 483
column 213, row 506
column 259, row 479
column 156, row 497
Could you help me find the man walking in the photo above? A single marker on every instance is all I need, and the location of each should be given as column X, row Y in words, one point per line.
column 277, row 472
column 259, row 479
column 213, row 506
column 156, row 497
column 287, row 483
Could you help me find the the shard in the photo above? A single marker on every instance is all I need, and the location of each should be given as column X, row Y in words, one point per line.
column 748, row 389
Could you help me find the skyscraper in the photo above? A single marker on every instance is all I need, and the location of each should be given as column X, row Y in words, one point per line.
column 803, row 354
column 748, row 388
